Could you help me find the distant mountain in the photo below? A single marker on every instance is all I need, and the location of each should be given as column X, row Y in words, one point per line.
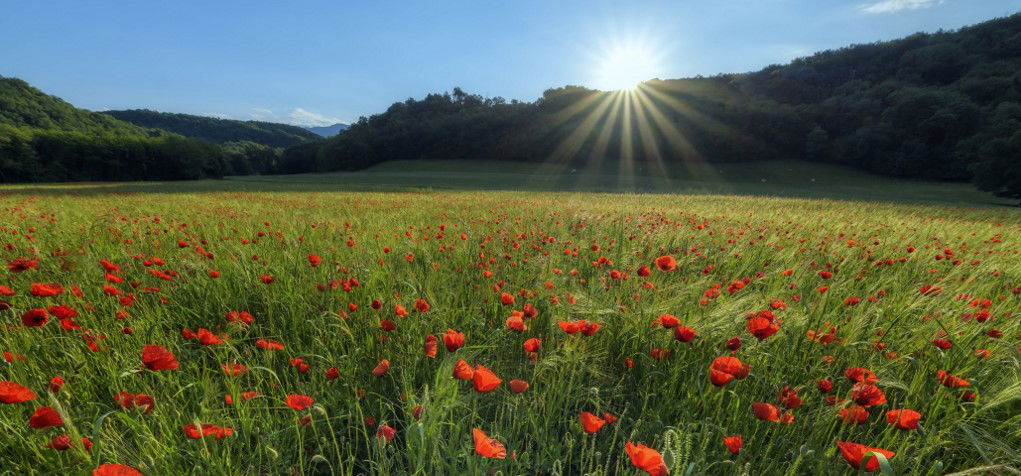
column 218, row 130
column 328, row 131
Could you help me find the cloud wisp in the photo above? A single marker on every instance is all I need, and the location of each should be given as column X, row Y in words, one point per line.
column 894, row 6
column 298, row 117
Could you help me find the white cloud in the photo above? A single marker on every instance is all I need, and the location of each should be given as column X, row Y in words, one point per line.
column 262, row 114
column 301, row 117
column 218, row 115
column 893, row 6
column 297, row 117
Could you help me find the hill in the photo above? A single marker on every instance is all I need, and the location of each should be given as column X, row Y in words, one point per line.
column 218, row 130
column 942, row 106
column 328, row 131
column 45, row 139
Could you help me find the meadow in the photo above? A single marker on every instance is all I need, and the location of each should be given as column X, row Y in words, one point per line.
column 777, row 320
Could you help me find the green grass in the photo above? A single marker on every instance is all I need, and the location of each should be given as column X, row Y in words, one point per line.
column 520, row 237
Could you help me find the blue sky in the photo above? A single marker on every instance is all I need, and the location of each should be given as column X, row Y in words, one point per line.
column 312, row 62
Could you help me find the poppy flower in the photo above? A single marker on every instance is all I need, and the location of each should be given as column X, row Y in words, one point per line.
column 684, row 334
column 646, row 459
column 12, row 393
column 518, row 386
column 485, row 380
column 386, row 433
column 860, row 375
column 269, row 344
column 453, row 340
column 761, row 327
column 56, row 383
column 824, row 386
column 789, row 398
column 208, row 338
column 867, row 395
column 488, row 447
column 767, row 412
column 155, row 357
column 854, row 452
column 314, row 260
column 903, row 419
column 532, row 345
column 381, row 368
column 331, row 373
column 668, row 321
column 115, row 470
column 516, row 322
column 45, row 417
column 666, row 263
column 196, row 432
column 63, row 443
column 734, row 444
column 430, row 346
column 234, row 370
column 20, row 265
column 35, row 318
column 506, row 299
column 463, row 371
column 299, row 402
column 734, row 344
column 854, row 415
column 590, row 422
column 570, row 327
column 724, row 369
column 45, row 289
column 951, row 381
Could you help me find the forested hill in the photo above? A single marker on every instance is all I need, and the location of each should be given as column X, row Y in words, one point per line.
column 22, row 105
column 45, row 139
column 943, row 105
column 218, row 130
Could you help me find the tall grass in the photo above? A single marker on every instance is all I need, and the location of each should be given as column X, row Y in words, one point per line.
column 521, row 238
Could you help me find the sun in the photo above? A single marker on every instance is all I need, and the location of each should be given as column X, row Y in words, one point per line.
column 624, row 66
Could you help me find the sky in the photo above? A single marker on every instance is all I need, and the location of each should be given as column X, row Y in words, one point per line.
column 320, row 62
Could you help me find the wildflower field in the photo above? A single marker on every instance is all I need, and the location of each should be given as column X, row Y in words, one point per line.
column 178, row 330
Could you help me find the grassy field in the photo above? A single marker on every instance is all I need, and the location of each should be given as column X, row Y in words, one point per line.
column 794, row 323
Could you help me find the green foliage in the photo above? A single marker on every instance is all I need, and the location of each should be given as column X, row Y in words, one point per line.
column 44, row 139
column 218, row 130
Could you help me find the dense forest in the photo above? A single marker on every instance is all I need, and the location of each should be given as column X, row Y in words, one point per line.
column 45, row 139
column 943, row 106
column 216, row 130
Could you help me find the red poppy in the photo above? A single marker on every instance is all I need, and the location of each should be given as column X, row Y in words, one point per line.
column 63, row 443
column 951, row 381
column 488, row 447
column 789, row 398
column 196, row 432
column 35, row 318
column 516, row 322
column 485, row 380
column 854, row 452
column 331, row 373
column 532, row 345
column 299, row 402
column 12, row 393
column 903, row 419
column 45, row 289
column 684, row 334
column 666, row 263
column 430, row 346
column 314, row 260
column 860, row 375
column 269, row 344
column 734, row 444
column 116, row 470
column 854, row 415
column 463, row 371
column 20, row 265
column 208, row 338
column 590, row 422
column 381, row 368
column 45, row 417
column 506, row 299
column 761, row 327
column 825, row 386
column 668, row 321
column 724, row 369
column 234, row 370
column 867, row 395
column 155, row 357
column 453, row 340
column 386, row 433
column 646, row 459
column 518, row 386
column 56, row 383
